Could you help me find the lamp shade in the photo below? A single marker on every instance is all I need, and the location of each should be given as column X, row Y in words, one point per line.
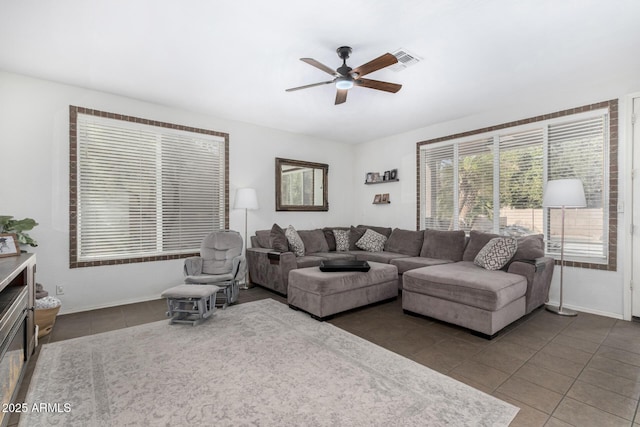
column 246, row 198
column 564, row 192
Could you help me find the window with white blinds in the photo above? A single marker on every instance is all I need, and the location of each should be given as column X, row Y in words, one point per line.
column 145, row 191
column 494, row 181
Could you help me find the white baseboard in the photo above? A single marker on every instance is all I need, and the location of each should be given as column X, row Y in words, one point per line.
column 108, row 305
column 589, row 310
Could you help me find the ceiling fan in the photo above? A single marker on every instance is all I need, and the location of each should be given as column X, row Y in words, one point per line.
column 346, row 77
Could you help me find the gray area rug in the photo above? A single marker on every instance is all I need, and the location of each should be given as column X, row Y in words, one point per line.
column 258, row 363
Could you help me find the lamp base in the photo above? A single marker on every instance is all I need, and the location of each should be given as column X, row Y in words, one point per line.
column 561, row 311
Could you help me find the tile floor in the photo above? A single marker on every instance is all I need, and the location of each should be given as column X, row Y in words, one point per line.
column 581, row 371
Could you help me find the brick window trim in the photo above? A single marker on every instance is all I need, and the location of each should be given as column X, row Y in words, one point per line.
column 73, row 183
column 612, row 106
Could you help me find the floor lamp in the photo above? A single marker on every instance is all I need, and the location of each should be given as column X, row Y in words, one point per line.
column 247, row 199
column 563, row 193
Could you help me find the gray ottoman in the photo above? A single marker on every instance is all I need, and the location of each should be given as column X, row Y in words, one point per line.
column 323, row 294
column 190, row 303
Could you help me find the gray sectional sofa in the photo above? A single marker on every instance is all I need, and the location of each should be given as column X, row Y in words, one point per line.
column 436, row 271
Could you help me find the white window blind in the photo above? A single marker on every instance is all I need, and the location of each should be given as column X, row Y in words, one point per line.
column 437, row 165
column 145, row 190
column 576, row 151
column 495, row 182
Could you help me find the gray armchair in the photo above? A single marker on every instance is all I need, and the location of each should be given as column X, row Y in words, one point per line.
column 220, row 263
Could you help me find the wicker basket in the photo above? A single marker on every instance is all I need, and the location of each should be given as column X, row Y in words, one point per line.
column 45, row 318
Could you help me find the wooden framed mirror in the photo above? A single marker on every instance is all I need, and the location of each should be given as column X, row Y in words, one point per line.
column 301, row 186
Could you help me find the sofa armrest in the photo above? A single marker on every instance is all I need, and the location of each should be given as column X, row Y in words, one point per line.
column 270, row 269
column 538, row 273
column 193, row 266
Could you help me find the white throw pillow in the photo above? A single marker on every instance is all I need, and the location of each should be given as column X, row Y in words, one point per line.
column 371, row 241
column 496, row 253
column 295, row 242
column 342, row 240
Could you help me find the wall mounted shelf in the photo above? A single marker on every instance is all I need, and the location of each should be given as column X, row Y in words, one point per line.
column 382, row 182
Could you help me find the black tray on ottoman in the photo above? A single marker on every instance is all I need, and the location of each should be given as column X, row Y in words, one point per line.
column 344, row 265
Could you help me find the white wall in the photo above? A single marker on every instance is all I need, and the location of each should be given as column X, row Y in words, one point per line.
column 34, row 148
column 595, row 291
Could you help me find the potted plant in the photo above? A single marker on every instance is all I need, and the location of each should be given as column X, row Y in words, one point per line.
column 18, row 227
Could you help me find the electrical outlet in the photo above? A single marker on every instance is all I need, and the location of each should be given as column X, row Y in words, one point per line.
column 59, row 290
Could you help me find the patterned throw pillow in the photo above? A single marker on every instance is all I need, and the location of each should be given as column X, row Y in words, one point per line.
column 496, row 253
column 342, row 240
column 295, row 242
column 371, row 241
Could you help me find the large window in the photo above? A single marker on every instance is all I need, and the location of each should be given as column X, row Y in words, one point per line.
column 493, row 180
column 143, row 190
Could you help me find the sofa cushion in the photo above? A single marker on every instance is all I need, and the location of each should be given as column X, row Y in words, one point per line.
column 382, row 257
column 314, row 241
column 443, row 244
column 466, row 283
column 405, row 264
column 385, row 231
column 371, row 241
column 355, row 234
column 496, row 253
column 264, row 238
column 529, row 247
column 277, row 239
column 477, row 240
column 405, row 242
column 308, row 261
column 295, row 242
column 342, row 240
column 328, row 256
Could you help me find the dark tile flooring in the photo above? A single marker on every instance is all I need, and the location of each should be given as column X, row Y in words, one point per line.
column 580, row 371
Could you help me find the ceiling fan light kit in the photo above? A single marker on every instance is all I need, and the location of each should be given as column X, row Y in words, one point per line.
column 345, row 77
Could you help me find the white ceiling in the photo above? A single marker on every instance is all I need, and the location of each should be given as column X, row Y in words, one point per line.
column 235, row 58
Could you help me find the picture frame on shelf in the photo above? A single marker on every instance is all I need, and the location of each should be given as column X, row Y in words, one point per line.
column 375, row 177
column 377, row 199
column 385, row 198
column 393, row 174
column 369, row 177
column 387, row 175
column 9, row 245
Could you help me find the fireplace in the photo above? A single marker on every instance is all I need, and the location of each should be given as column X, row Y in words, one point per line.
column 16, row 327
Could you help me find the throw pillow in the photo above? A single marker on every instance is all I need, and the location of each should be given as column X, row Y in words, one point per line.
column 496, row 253
column 355, row 234
column 314, row 241
column 342, row 240
column 477, row 241
column 295, row 242
column 371, row 241
column 278, row 239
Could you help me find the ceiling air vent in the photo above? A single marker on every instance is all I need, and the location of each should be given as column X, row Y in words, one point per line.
column 405, row 59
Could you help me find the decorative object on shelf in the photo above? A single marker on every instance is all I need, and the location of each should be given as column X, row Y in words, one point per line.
column 247, row 199
column 380, row 199
column 377, row 198
column 18, row 227
column 385, row 198
column 9, row 245
column 378, row 178
column 563, row 193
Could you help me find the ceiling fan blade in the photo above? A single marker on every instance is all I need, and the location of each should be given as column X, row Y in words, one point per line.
column 375, row 65
column 377, row 84
column 341, row 96
column 308, row 86
column 320, row 66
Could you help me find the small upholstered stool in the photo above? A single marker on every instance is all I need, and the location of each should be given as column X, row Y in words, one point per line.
column 190, row 303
